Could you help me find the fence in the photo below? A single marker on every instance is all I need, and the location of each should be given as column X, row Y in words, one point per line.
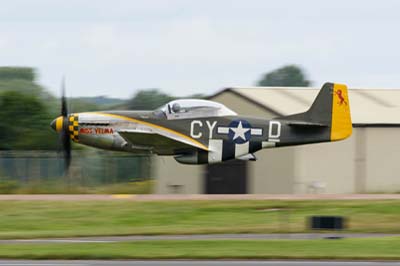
column 88, row 167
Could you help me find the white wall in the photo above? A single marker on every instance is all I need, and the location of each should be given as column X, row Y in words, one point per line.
column 383, row 160
column 175, row 178
column 325, row 167
column 273, row 172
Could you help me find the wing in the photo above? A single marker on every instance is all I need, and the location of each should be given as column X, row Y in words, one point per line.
column 163, row 143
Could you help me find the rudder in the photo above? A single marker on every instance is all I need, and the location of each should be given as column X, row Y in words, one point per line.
column 341, row 125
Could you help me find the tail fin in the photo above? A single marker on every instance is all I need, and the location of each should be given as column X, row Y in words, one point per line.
column 331, row 108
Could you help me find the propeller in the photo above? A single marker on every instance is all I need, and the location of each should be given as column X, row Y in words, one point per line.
column 65, row 137
column 60, row 124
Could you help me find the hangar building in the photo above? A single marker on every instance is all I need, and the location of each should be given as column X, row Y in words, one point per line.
column 367, row 162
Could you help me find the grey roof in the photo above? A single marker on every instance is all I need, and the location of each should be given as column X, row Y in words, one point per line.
column 368, row 106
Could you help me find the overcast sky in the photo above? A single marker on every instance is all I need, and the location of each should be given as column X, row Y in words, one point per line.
column 116, row 47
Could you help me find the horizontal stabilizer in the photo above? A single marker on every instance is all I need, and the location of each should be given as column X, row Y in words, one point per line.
column 295, row 123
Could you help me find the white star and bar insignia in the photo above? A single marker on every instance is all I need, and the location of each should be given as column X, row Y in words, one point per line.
column 240, row 131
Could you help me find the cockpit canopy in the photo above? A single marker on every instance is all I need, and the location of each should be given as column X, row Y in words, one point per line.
column 193, row 108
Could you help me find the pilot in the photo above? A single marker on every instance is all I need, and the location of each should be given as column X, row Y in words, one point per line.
column 176, row 108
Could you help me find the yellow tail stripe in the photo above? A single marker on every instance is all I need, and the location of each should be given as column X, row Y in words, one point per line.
column 341, row 127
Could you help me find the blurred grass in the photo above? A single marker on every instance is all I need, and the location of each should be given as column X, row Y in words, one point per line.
column 358, row 249
column 58, row 187
column 28, row 219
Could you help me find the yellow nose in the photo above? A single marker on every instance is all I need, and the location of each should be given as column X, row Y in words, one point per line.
column 57, row 124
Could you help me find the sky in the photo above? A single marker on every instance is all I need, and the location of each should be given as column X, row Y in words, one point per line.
column 118, row 47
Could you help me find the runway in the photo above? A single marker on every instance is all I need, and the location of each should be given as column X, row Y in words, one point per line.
column 188, row 263
column 112, row 239
column 184, row 197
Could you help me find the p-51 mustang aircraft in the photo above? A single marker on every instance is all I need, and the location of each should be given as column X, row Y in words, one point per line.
column 201, row 132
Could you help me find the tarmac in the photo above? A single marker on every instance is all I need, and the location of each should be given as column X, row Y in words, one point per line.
column 185, row 197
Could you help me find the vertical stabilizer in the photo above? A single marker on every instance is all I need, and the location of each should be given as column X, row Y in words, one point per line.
column 331, row 109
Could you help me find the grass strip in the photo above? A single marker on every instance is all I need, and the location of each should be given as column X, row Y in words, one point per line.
column 25, row 219
column 355, row 249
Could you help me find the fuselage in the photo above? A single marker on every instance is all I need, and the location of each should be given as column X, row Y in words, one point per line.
column 200, row 131
column 208, row 139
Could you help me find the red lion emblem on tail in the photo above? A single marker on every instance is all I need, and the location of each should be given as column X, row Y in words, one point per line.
column 339, row 93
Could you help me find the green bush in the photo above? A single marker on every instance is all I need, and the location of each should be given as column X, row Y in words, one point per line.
column 8, row 186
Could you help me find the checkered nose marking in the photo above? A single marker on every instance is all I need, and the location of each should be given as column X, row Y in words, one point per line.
column 73, row 127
